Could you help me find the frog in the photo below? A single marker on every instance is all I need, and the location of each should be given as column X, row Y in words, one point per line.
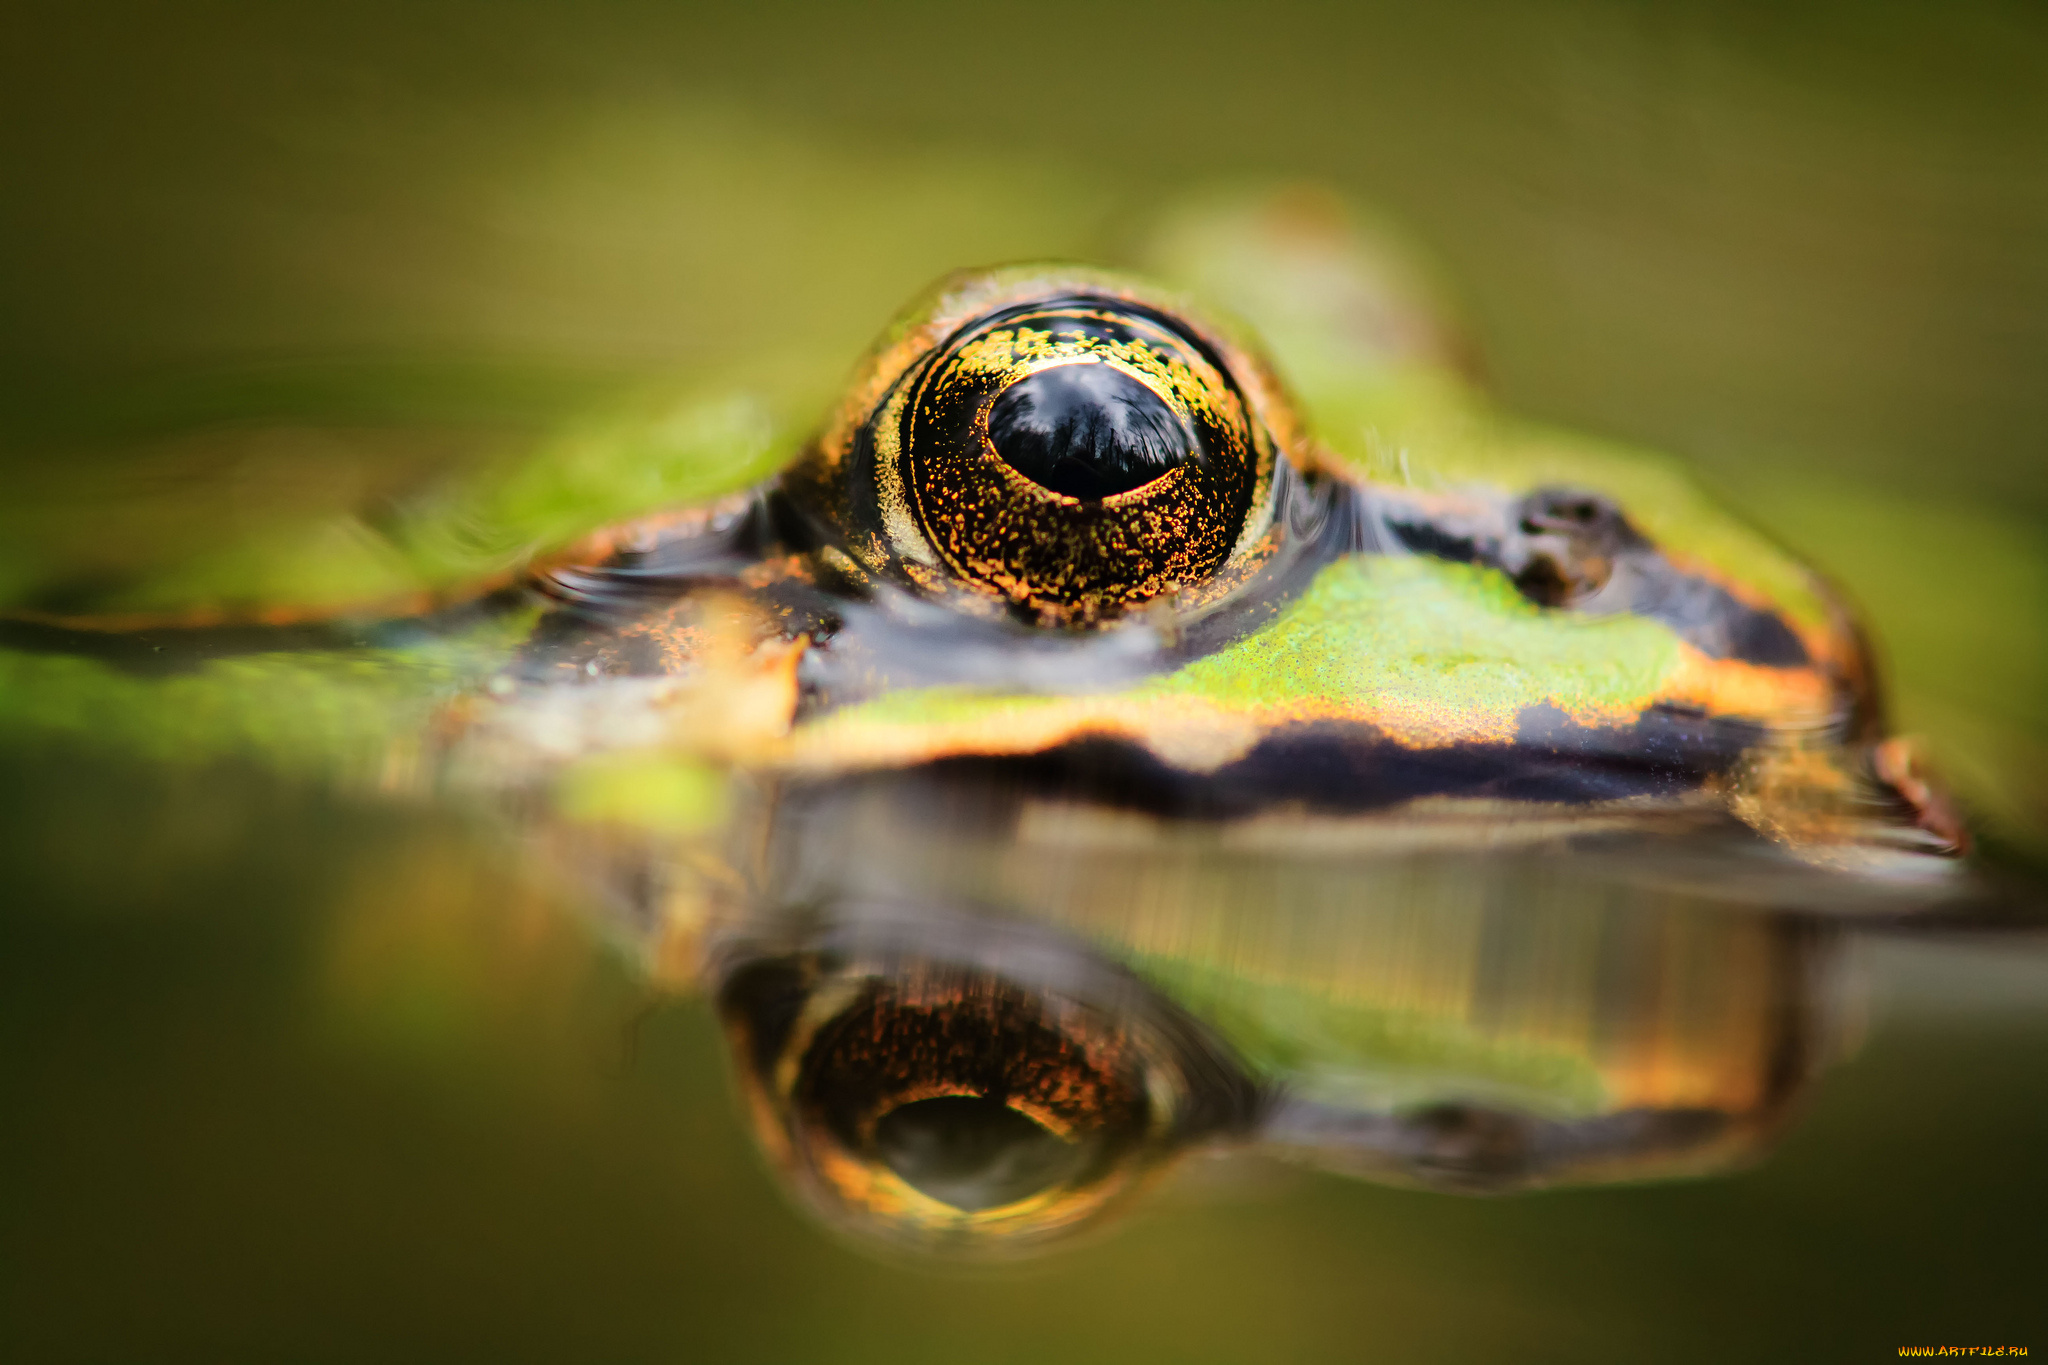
column 1080, row 560
column 1066, row 523
column 1066, row 639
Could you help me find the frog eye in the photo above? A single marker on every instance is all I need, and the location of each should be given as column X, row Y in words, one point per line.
column 946, row 1107
column 1070, row 452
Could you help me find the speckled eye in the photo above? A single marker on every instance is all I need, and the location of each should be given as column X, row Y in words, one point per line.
column 947, row 1107
column 1059, row 445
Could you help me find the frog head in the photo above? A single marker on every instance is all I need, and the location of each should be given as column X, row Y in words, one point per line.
column 1069, row 521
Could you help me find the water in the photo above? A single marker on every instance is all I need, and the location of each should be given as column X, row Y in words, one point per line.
column 298, row 1069
column 292, row 1076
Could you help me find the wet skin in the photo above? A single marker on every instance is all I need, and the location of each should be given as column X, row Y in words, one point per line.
column 1246, row 623
column 994, row 761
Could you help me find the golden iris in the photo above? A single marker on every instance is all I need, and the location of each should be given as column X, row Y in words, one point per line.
column 1057, row 442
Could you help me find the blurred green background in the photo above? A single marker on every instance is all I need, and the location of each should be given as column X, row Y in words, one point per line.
column 319, row 256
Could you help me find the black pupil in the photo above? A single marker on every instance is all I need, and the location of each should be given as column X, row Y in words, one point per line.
column 972, row 1153
column 1087, row 430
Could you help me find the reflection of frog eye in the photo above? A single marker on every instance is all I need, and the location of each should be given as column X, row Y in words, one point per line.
column 946, row 1106
column 1068, row 450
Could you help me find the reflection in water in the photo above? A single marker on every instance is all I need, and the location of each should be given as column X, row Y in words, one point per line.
column 970, row 1020
column 1000, row 1091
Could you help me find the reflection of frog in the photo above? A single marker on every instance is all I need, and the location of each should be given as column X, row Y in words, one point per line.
column 1066, row 571
column 969, row 1019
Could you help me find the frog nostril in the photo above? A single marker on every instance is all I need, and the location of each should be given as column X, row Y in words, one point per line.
column 1566, row 511
column 1088, row 430
column 1590, row 528
column 973, row 1152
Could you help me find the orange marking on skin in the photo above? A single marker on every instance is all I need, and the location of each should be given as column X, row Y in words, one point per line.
column 1038, row 726
column 1195, row 734
column 676, row 633
column 784, row 568
column 1790, row 698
